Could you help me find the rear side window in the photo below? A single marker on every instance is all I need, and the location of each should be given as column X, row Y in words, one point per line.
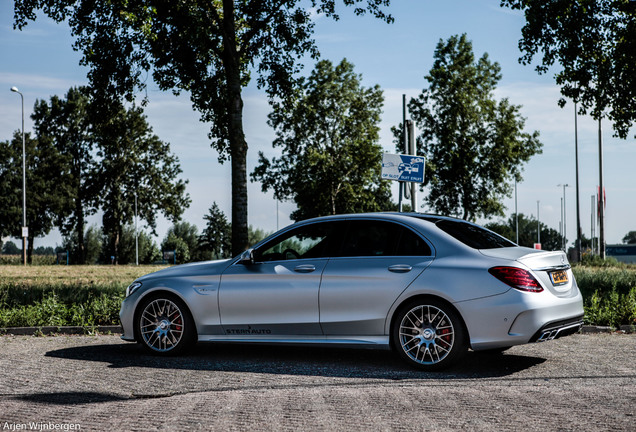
column 473, row 236
column 411, row 244
column 381, row 238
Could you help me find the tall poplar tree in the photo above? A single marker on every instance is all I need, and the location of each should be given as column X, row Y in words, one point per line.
column 133, row 161
column 474, row 145
column 66, row 123
column 47, row 192
column 329, row 133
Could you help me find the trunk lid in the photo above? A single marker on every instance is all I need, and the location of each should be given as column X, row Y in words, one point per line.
column 551, row 269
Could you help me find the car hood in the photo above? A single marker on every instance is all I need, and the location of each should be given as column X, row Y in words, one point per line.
column 203, row 268
column 533, row 258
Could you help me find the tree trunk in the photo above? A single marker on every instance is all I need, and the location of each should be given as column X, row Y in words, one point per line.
column 79, row 212
column 30, row 248
column 238, row 145
column 115, row 247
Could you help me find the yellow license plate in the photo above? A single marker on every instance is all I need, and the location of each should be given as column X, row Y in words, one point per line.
column 559, row 277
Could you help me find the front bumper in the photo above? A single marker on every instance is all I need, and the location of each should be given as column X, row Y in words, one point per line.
column 126, row 314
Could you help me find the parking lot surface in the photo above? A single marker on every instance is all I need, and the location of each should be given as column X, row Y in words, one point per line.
column 582, row 382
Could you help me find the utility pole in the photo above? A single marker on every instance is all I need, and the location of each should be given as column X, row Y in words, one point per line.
column 25, row 229
column 601, row 193
column 406, row 147
column 578, row 213
column 412, row 151
column 136, row 234
column 563, row 217
column 593, row 222
column 538, row 225
column 516, row 214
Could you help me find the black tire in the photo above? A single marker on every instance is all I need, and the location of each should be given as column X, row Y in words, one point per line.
column 429, row 334
column 164, row 325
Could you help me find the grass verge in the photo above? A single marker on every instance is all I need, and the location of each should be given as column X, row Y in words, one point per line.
column 85, row 296
column 90, row 296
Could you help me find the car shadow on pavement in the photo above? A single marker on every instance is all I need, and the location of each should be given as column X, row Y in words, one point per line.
column 69, row 398
column 298, row 360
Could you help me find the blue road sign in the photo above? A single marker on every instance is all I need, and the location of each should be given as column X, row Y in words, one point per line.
column 403, row 168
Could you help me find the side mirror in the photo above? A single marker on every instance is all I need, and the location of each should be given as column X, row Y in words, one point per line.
column 247, row 257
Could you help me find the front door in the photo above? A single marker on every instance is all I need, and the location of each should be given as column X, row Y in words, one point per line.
column 278, row 293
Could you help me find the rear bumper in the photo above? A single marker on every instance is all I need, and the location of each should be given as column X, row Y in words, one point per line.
column 516, row 318
column 558, row 329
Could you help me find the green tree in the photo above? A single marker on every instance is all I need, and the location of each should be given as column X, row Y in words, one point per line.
column 189, row 233
column 46, row 195
column 331, row 159
column 10, row 248
column 630, row 238
column 148, row 250
column 215, row 241
column 474, row 145
column 173, row 243
column 44, row 250
column 594, row 42
column 134, row 161
column 255, row 235
column 207, row 48
column 92, row 248
column 551, row 240
column 67, row 124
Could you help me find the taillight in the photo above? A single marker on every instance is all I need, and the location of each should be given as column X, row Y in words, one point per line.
column 517, row 278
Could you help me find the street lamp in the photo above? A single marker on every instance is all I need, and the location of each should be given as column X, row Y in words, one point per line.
column 565, row 241
column 25, row 229
column 538, row 226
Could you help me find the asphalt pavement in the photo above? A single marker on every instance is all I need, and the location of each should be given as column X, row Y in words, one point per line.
column 583, row 382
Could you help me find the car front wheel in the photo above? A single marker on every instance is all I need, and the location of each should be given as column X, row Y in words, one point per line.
column 164, row 325
column 429, row 335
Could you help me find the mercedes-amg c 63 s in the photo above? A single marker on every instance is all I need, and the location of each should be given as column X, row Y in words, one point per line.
column 427, row 286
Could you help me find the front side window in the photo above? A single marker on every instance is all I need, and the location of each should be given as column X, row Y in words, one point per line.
column 310, row 241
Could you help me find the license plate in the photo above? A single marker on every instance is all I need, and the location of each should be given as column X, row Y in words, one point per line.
column 559, row 277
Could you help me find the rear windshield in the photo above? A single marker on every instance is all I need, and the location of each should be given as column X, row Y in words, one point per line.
column 473, row 236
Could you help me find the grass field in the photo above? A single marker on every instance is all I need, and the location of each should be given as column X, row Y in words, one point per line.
column 57, row 275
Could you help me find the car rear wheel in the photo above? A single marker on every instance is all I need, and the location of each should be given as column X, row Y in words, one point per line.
column 429, row 334
column 164, row 325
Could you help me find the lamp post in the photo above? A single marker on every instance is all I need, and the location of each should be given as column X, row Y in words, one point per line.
column 25, row 229
column 578, row 212
column 565, row 240
column 516, row 216
column 538, row 225
column 136, row 234
column 601, row 193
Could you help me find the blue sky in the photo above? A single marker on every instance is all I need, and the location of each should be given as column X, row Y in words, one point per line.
column 40, row 61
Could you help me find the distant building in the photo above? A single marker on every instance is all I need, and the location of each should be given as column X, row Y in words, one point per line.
column 622, row 252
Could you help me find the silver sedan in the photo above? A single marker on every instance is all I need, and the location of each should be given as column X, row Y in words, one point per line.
column 427, row 286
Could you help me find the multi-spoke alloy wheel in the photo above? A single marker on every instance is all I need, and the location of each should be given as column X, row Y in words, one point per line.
column 429, row 335
column 164, row 325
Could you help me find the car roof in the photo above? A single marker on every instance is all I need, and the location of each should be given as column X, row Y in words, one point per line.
column 431, row 217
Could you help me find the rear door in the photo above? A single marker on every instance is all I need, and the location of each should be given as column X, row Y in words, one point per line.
column 377, row 261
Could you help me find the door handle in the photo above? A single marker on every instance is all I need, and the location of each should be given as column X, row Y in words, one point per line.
column 305, row 268
column 400, row 268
